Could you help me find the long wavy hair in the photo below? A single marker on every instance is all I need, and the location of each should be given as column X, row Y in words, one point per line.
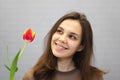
column 46, row 65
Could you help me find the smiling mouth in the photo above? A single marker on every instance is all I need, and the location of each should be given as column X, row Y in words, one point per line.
column 60, row 46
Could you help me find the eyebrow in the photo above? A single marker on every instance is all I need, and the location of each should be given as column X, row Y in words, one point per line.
column 60, row 28
column 73, row 33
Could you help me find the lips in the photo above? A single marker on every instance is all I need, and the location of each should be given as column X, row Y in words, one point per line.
column 60, row 46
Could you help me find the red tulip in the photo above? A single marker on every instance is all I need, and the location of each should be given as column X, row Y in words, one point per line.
column 29, row 35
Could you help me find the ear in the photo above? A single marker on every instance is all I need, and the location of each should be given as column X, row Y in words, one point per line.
column 80, row 48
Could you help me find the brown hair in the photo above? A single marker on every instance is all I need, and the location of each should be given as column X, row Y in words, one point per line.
column 47, row 63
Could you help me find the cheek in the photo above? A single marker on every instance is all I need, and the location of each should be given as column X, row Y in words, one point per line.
column 54, row 37
column 74, row 45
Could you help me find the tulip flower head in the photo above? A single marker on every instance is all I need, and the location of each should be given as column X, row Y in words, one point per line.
column 29, row 35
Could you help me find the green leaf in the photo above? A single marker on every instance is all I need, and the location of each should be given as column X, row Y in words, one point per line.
column 13, row 67
column 7, row 67
column 8, row 56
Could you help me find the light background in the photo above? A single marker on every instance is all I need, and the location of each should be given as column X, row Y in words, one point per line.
column 18, row 15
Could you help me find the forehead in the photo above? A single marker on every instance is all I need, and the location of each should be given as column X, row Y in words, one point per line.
column 71, row 25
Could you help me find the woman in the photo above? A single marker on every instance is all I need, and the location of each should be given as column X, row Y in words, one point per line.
column 68, row 52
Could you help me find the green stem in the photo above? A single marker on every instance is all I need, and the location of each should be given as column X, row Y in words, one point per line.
column 21, row 52
column 11, row 77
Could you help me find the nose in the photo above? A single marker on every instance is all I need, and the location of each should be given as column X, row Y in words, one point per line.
column 63, row 38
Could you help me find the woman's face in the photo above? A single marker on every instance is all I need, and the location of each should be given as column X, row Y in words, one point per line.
column 67, row 38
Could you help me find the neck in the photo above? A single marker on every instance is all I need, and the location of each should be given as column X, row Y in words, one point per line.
column 65, row 65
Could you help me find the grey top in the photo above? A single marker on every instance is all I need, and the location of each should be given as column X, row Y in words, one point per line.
column 70, row 75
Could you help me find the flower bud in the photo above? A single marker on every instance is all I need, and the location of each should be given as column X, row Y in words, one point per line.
column 29, row 35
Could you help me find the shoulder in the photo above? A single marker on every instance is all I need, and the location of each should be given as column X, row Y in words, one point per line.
column 28, row 75
column 97, row 70
column 96, row 73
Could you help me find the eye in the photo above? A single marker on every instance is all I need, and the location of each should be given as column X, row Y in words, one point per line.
column 59, row 31
column 73, row 37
